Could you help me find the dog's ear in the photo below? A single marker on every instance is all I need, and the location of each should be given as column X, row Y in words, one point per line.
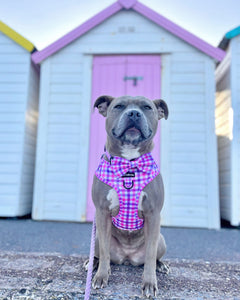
column 162, row 108
column 102, row 104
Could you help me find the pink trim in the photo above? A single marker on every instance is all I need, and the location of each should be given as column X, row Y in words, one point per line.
column 127, row 3
column 39, row 56
column 183, row 34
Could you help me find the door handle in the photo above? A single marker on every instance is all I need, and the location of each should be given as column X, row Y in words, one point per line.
column 134, row 78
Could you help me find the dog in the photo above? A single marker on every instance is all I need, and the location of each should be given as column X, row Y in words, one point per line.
column 131, row 123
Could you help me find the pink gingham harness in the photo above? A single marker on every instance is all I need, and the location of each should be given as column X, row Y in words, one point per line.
column 128, row 178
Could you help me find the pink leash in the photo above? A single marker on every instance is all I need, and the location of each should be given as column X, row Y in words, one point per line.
column 90, row 264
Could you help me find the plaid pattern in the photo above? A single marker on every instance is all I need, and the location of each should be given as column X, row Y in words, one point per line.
column 128, row 178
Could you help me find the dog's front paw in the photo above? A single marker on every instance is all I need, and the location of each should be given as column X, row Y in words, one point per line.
column 150, row 288
column 100, row 280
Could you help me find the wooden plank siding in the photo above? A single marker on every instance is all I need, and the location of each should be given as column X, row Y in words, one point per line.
column 235, row 82
column 65, row 111
column 15, row 197
column 190, row 162
column 224, row 135
column 30, row 137
column 62, row 130
column 227, row 129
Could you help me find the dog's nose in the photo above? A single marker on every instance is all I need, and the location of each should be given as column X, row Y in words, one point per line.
column 134, row 115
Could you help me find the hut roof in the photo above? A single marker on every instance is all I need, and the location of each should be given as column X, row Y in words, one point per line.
column 16, row 37
column 228, row 36
column 138, row 7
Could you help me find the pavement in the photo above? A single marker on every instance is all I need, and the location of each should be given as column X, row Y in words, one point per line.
column 43, row 260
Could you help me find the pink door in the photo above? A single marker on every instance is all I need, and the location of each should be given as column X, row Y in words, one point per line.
column 112, row 75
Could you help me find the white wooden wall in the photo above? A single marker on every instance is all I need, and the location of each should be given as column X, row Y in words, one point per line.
column 227, row 129
column 189, row 160
column 29, row 144
column 62, row 145
column 16, row 82
column 236, row 129
column 224, row 134
column 192, row 168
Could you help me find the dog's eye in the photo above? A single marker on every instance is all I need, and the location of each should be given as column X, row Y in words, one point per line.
column 147, row 107
column 119, row 106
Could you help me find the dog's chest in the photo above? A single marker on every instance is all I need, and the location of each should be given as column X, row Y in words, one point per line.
column 128, row 182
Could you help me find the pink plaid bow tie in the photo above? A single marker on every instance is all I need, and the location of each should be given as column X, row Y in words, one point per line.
column 121, row 166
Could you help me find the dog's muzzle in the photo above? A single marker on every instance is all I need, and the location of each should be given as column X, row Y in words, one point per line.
column 132, row 119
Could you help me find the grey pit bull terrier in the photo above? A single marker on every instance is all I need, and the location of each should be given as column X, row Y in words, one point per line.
column 131, row 123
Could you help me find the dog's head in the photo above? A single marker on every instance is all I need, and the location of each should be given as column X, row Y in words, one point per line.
column 131, row 120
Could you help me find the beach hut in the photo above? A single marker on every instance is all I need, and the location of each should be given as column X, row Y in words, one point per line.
column 127, row 49
column 19, row 81
column 228, row 126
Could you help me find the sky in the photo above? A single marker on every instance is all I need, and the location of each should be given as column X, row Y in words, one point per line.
column 43, row 22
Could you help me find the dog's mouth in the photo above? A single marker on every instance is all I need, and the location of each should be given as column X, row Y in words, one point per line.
column 133, row 131
column 132, row 134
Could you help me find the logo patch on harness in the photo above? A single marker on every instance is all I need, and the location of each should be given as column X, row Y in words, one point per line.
column 129, row 175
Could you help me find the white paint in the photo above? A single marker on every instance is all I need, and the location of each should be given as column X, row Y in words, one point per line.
column 61, row 168
column 30, row 136
column 112, row 197
column 84, row 139
column 40, row 165
column 235, row 91
column 227, row 129
column 185, row 137
column 211, row 148
column 19, row 83
column 165, row 139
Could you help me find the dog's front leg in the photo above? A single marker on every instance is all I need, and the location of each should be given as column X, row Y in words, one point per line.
column 103, row 223
column 151, row 236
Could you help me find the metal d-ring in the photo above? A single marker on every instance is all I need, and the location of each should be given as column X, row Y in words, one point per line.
column 128, row 188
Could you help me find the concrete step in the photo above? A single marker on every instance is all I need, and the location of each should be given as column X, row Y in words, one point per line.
column 41, row 276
